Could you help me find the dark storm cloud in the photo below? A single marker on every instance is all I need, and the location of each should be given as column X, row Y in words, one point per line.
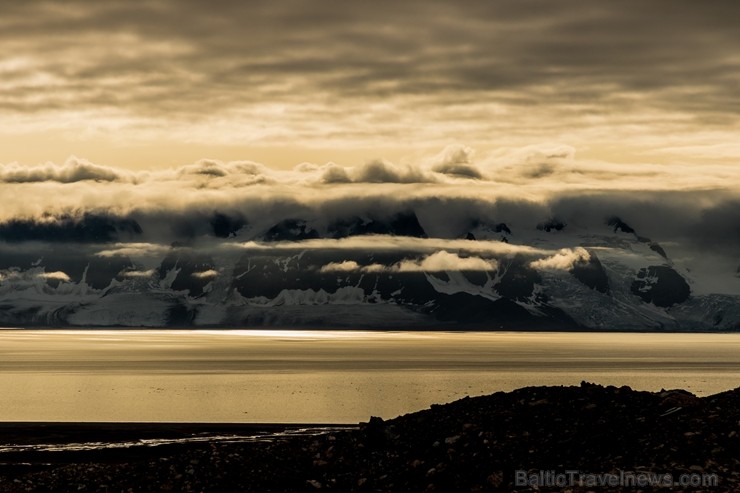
column 84, row 227
column 699, row 219
column 719, row 226
column 187, row 57
column 664, row 216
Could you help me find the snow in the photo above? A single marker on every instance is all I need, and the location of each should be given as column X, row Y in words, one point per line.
column 714, row 303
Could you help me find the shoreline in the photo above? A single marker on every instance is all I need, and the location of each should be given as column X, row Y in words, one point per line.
column 472, row 444
column 35, row 432
column 323, row 328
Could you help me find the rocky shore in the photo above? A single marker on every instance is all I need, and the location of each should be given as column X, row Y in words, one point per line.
column 531, row 439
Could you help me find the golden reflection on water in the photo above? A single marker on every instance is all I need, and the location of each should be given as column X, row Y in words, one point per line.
column 327, row 376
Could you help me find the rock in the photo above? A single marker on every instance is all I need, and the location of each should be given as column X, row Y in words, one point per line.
column 329, row 453
column 452, row 440
column 496, row 479
column 375, row 431
column 660, row 285
column 314, row 484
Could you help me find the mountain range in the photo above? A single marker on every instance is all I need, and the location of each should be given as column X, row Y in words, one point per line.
column 355, row 272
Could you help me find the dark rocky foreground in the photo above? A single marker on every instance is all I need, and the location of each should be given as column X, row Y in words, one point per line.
column 474, row 444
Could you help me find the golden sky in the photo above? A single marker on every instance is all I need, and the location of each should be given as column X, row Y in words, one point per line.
column 159, row 84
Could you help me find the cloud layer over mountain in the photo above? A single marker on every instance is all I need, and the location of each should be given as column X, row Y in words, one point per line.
column 423, row 210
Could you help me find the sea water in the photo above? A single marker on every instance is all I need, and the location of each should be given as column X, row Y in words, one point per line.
column 264, row 376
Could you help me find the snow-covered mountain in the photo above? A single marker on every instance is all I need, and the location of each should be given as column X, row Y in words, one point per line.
column 363, row 272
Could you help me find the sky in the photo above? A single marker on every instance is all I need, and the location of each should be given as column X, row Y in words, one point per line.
column 167, row 114
column 165, row 83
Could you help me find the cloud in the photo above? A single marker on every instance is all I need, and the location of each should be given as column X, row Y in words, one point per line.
column 531, row 163
column 73, row 170
column 86, row 227
column 9, row 275
column 55, row 276
column 388, row 74
column 134, row 250
column 134, row 274
column 688, row 210
column 541, row 152
column 217, row 169
column 385, row 243
column 335, row 174
column 565, row 259
column 207, row 274
column 713, row 151
column 347, row 266
column 344, row 266
column 456, row 160
column 436, row 262
column 382, row 171
column 27, row 277
column 235, row 188
column 445, row 261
